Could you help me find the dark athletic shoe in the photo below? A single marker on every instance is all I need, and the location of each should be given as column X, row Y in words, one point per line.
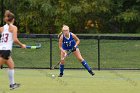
column 92, row 73
column 60, row 75
column 14, row 86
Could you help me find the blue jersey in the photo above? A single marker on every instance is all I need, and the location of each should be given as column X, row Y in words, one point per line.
column 68, row 43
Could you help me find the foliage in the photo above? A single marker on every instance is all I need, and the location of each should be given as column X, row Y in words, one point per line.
column 83, row 16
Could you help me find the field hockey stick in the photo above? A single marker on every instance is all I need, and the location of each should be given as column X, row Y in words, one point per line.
column 62, row 59
column 29, row 46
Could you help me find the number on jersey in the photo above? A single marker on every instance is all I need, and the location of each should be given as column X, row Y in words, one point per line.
column 4, row 37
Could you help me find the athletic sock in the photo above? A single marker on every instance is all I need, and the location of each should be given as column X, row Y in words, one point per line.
column 11, row 76
column 84, row 63
column 61, row 69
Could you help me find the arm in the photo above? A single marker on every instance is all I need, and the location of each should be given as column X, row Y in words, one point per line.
column 60, row 44
column 16, row 41
column 76, row 39
column 1, row 29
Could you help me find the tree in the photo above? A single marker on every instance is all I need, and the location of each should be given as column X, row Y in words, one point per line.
column 127, row 15
column 83, row 16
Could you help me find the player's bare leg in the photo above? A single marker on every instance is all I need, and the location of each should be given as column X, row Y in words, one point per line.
column 10, row 65
column 1, row 62
column 83, row 62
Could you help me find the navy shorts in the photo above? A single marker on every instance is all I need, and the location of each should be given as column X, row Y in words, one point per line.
column 5, row 54
column 68, row 49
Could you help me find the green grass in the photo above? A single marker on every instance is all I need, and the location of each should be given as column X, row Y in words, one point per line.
column 114, row 54
column 74, row 81
column 120, row 54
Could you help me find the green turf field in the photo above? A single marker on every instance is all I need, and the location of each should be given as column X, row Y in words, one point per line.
column 74, row 81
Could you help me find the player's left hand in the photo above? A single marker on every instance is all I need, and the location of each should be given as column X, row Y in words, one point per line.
column 73, row 49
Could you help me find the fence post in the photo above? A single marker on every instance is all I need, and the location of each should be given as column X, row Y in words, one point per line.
column 98, row 52
column 50, row 51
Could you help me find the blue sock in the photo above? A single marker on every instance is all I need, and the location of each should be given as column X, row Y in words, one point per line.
column 61, row 68
column 84, row 63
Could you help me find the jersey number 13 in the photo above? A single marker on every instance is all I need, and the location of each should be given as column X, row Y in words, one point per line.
column 4, row 37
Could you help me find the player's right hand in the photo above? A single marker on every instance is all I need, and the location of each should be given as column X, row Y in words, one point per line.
column 65, row 53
